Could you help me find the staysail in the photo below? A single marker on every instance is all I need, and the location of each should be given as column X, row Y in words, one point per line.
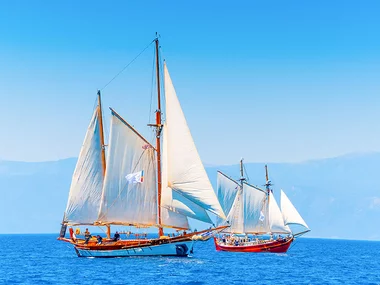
column 289, row 212
column 129, row 191
column 226, row 190
column 184, row 171
column 276, row 221
column 87, row 181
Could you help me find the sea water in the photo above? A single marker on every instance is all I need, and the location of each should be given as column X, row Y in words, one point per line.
column 41, row 259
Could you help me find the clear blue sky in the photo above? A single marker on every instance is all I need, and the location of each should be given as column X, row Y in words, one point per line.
column 271, row 81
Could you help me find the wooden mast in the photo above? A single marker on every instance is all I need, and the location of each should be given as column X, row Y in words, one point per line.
column 102, row 153
column 267, row 181
column 158, row 141
column 241, row 172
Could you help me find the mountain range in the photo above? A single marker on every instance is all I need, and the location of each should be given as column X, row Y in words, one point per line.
column 337, row 197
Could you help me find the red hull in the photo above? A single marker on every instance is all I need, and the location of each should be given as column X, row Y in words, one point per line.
column 274, row 246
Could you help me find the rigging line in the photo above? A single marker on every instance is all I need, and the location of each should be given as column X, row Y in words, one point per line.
column 125, row 67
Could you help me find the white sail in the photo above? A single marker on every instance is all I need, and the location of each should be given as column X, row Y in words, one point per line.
column 129, row 191
column 173, row 220
column 235, row 217
column 226, row 192
column 184, row 169
column 289, row 212
column 256, row 218
column 276, row 221
column 87, row 181
column 175, row 201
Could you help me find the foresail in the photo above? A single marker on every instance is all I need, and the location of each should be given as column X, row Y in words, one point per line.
column 174, row 201
column 129, row 191
column 172, row 219
column 87, row 181
column 276, row 221
column 180, row 204
column 185, row 172
column 255, row 210
column 235, row 217
column 289, row 212
column 226, row 190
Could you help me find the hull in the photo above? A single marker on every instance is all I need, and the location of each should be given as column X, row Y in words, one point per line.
column 273, row 246
column 169, row 249
column 181, row 245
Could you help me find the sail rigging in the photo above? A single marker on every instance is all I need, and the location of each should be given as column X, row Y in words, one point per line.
column 142, row 185
column 251, row 209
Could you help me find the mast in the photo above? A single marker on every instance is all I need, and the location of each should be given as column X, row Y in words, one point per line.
column 102, row 154
column 158, row 141
column 267, row 181
column 242, row 179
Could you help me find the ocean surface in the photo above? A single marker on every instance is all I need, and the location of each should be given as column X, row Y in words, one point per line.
column 41, row 259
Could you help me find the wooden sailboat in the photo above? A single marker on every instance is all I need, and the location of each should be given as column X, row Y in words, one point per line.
column 140, row 185
column 256, row 222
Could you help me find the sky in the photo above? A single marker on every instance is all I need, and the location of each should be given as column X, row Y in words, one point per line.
column 270, row 81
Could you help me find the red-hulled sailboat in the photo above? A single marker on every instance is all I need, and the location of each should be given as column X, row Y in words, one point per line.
column 256, row 222
column 140, row 185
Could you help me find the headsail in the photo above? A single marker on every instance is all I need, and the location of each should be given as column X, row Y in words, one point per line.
column 129, row 191
column 172, row 219
column 87, row 181
column 185, row 173
column 235, row 217
column 276, row 221
column 227, row 189
column 289, row 212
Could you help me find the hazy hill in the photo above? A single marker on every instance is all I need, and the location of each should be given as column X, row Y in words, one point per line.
column 338, row 197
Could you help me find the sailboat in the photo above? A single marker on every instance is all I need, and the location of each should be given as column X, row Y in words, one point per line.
column 138, row 184
column 256, row 222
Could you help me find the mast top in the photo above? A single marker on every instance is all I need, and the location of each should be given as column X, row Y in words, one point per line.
column 268, row 183
column 242, row 178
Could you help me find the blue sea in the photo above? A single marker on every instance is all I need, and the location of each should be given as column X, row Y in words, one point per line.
column 41, row 259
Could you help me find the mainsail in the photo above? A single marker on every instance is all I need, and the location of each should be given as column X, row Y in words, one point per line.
column 255, row 210
column 183, row 172
column 290, row 214
column 127, row 201
column 87, row 180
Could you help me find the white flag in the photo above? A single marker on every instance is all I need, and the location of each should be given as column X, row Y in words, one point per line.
column 137, row 177
column 262, row 217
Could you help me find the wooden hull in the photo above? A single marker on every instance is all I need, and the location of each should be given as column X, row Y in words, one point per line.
column 165, row 246
column 275, row 246
column 168, row 249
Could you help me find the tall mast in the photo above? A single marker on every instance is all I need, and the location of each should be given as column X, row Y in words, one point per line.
column 267, row 181
column 103, row 155
column 158, row 141
column 242, row 179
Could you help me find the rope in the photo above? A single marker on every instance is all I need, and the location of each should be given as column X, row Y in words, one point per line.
column 125, row 67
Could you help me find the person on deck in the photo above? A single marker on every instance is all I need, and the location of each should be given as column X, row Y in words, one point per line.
column 100, row 239
column 87, row 236
column 116, row 236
